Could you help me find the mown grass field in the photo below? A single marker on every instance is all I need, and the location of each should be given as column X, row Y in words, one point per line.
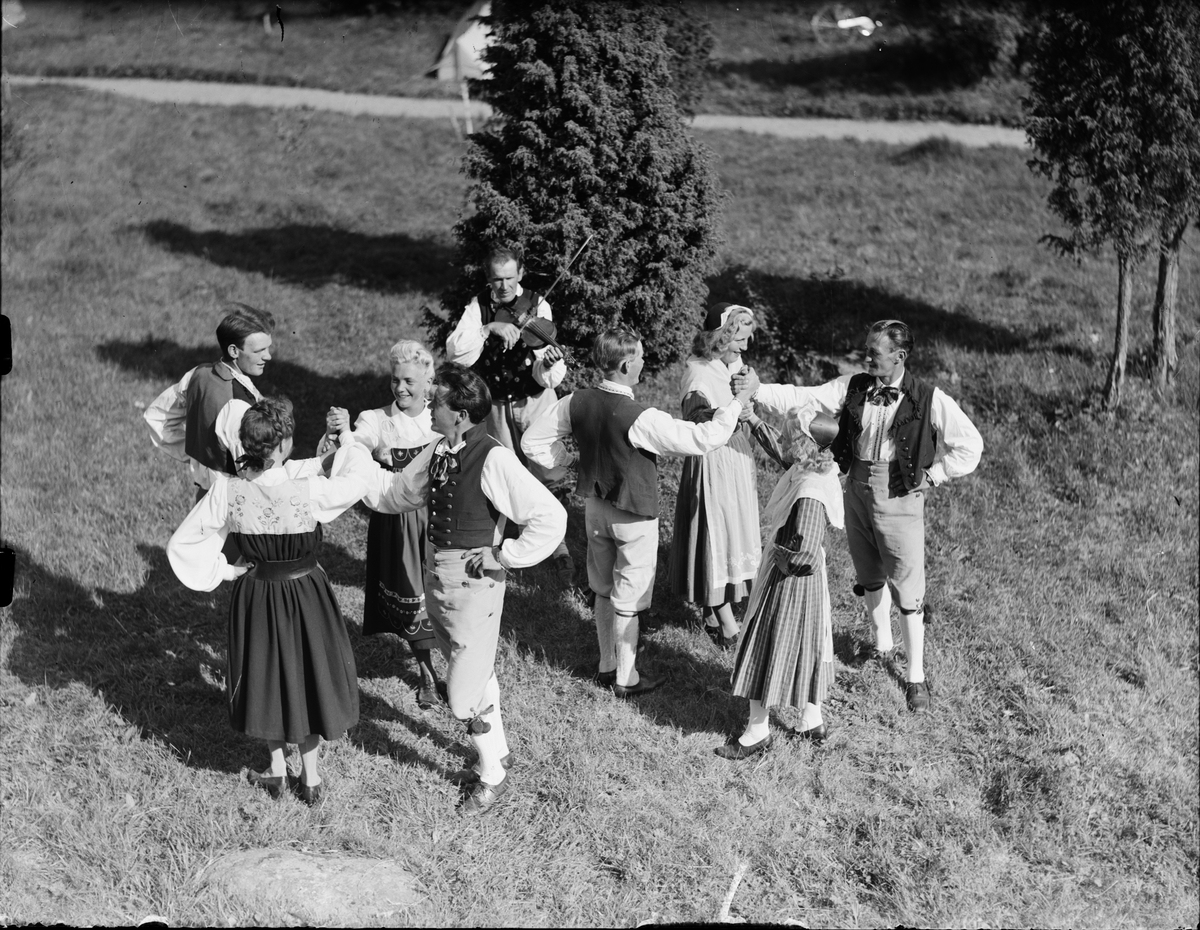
column 765, row 60
column 1054, row 783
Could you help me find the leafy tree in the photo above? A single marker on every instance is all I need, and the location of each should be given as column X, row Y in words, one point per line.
column 1112, row 112
column 588, row 140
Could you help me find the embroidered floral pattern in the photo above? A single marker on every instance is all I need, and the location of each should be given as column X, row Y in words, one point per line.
column 256, row 509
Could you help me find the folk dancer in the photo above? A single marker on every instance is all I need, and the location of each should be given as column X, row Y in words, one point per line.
column 716, row 549
column 394, row 600
column 291, row 676
column 619, row 441
column 520, row 368
column 472, row 486
column 218, row 395
column 786, row 653
column 898, row 436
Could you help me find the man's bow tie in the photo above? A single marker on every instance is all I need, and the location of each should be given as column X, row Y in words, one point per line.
column 883, row 396
column 442, row 466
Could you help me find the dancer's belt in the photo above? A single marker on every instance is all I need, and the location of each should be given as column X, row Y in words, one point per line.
column 275, row 572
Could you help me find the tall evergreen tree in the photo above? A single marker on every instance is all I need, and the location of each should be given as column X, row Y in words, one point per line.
column 1113, row 114
column 588, row 140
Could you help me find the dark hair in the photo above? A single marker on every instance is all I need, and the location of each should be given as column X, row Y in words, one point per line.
column 240, row 323
column 465, row 391
column 264, row 427
column 498, row 254
column 613, row 346
column 897, row 332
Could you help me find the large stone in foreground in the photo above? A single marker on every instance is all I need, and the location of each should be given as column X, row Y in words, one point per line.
column 313, row 888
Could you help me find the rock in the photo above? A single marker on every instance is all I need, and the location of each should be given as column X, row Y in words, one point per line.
column 316, row 888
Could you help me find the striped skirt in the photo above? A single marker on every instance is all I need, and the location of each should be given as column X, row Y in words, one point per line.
column 786, row 652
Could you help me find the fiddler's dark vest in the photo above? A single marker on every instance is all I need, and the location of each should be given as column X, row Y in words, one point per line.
column 912, row 431
column 460, row 516
column 609, row 467
column 508, row 373
column 209, row 390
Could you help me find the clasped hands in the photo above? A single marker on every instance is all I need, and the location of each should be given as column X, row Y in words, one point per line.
column 744, row 384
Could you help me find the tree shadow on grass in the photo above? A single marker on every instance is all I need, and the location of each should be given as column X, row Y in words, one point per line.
column 315, row 255
column 165, row 362
column 157, row 655
column 801, row 317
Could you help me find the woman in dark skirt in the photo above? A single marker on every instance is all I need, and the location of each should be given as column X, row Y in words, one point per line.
column 291, row 674
column 394, row 599
column 786, row 651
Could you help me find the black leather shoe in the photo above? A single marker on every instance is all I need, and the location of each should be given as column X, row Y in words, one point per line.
column 588, row 672
column 645, row 685
column 714, row 633
column 482, row 797
column 735, row 750
column 564, row 568
column 272, row 784
column 469, row 776
column 310, row 795
column 440, row 687
column 916, row 695
column 727, row 642
column 817, row 734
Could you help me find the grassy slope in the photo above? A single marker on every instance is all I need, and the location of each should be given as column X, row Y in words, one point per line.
column 765, row 60
column 1055, row 783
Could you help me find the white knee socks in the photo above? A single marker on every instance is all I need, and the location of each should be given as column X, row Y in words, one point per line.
column 912, row 628
column 879, row 609
column 757, row 727
column 604, row 633
column 810, row 717
column 625, row 636
column 491, row 746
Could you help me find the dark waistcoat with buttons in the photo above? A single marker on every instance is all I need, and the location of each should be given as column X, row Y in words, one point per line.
column 209, row 390
column 609, row 467
column 508, row 372
column 913, row 434
column 460, row 515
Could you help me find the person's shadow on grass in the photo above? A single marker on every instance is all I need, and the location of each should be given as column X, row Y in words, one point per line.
column 157, row 654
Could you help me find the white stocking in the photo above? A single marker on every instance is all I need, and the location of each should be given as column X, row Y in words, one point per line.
column 912, row 628
column 625, row 630
column 604, row 633
column 879, row 609
column 757, row 727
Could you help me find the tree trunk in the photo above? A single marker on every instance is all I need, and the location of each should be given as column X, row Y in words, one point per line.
column 1116, row 372
column 1166, row 361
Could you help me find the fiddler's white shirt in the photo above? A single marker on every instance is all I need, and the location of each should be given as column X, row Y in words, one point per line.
column 505, row 482
column 194, row 550
column 653, row 431
column 465, row 344
column 959, row 445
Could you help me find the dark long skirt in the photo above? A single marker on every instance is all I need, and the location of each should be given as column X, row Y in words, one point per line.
column 291, row 669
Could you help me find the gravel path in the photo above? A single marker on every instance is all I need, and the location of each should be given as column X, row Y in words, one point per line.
column 256, row 95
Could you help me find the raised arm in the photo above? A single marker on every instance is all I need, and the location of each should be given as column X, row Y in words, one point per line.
column 658, row 432
column 403, row 491
column 778, row 398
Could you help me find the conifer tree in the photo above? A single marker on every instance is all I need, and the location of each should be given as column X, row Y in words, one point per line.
column 1114, row 116
column 588, row 140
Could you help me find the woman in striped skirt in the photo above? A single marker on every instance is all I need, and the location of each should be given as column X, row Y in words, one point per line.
column 786, row 653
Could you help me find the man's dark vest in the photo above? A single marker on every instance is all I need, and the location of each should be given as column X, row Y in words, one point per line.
column 460, row 515
column 609, row 467
column 209, row 390
column 913, row 434
column 508, row 373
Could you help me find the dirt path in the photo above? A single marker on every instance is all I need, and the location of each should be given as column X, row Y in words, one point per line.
column 255, row 95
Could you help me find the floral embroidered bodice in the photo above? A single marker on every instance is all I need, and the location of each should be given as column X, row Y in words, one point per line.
column 257, row 510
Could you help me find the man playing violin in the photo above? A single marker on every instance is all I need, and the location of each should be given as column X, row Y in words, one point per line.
column 506, row 335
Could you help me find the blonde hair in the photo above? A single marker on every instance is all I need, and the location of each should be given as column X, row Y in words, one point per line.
column 710, row 344
column 799, row 448
column 409, row 350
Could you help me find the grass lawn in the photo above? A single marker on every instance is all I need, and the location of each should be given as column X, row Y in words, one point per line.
column 1054, row 783
column 765, row 62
